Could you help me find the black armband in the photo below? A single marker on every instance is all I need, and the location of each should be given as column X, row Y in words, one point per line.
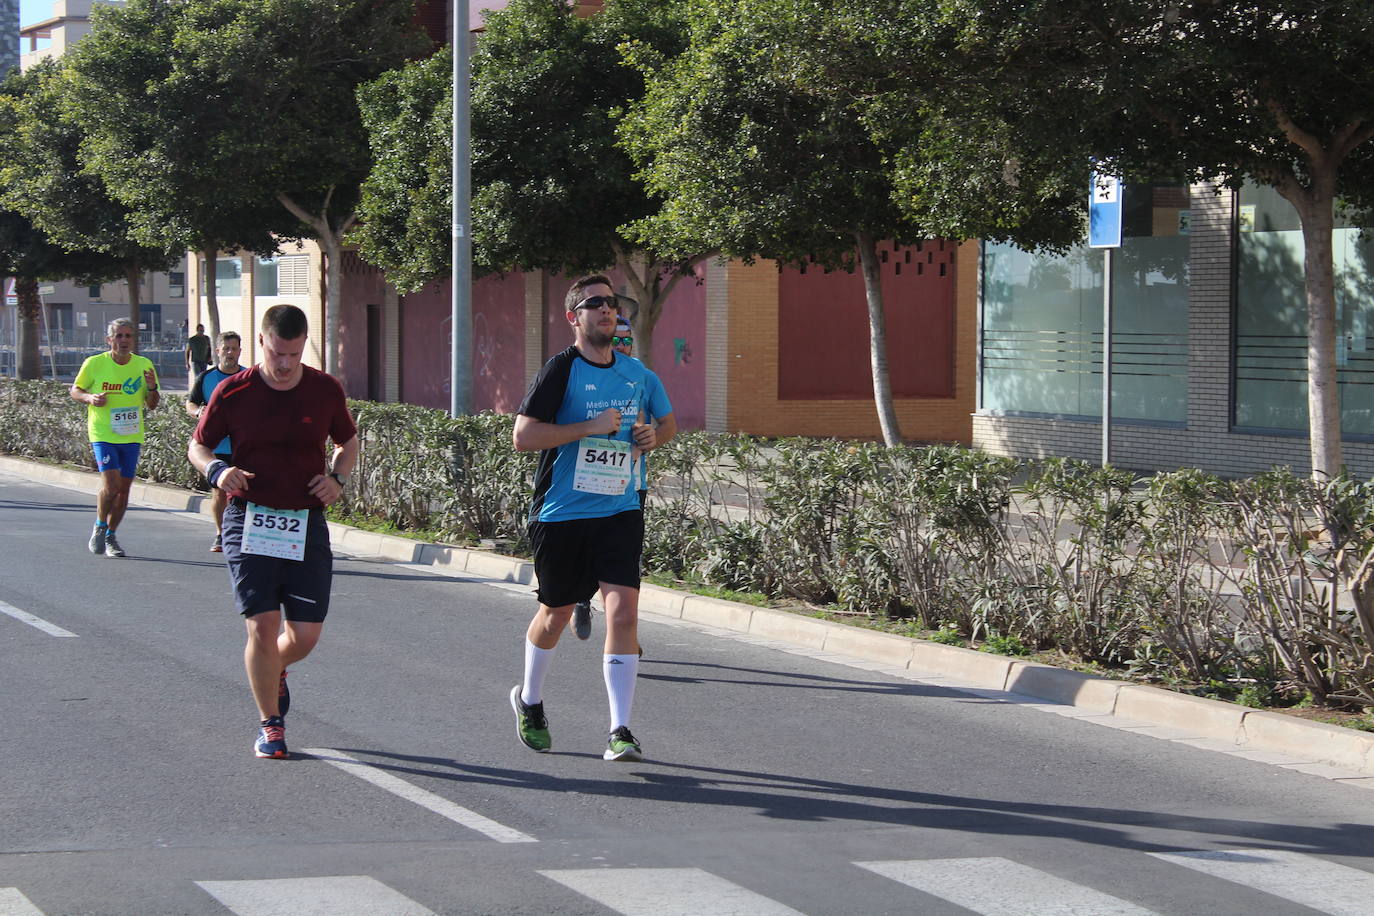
column 214, row 470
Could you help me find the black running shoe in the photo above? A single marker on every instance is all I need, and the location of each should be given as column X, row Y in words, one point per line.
column 283, row 695
column 582, row 619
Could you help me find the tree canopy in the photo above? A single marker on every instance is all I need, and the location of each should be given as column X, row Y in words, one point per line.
column 54, row 222
column 551, row 188
column 1230, row 90
column 230, row 123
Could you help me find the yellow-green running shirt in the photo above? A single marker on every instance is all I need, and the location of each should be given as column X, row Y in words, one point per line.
column 120, row 419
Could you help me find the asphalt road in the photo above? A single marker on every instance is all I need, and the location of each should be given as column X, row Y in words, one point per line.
column 774, row 782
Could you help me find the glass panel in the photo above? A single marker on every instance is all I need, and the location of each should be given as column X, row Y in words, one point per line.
column 227, row 274
column 1042, row 320
column 265, row 277
column 1271, row 318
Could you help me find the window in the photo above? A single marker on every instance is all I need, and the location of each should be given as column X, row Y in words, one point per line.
column 282, row 275
column 1042, row 320
column 1271, row 319
column 228, row 272
column 265, row 277
column 293, row 275
column 176, row 283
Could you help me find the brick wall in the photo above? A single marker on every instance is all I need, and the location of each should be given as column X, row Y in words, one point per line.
column 742, row 366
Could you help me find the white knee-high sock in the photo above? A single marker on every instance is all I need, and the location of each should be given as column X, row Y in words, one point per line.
column 620, row 672
column 536, row 668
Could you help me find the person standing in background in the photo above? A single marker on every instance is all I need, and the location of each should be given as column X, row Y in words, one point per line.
column 197, row 353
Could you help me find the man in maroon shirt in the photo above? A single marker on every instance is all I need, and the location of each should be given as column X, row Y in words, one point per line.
column 277, row 416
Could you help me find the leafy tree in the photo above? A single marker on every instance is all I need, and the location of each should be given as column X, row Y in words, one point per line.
column 551, row 190
column 1267, row 90
column 751, row 155
column 28, row 255
column 406, row 199
column 207, row 115
column 41, row 178
column 138, row 112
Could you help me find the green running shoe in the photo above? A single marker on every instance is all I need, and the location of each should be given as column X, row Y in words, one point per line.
column 530, row 725
column 622, row 746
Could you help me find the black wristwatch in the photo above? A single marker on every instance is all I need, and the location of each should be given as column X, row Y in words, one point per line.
column 340, row 479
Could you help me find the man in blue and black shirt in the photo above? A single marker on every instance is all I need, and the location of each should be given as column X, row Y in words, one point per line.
column 583, row 412
column 204, row 385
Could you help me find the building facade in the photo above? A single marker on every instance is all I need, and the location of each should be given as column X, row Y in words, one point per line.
column 1208, row 345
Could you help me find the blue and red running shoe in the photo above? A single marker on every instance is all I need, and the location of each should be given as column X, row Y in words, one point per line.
column 272, row 739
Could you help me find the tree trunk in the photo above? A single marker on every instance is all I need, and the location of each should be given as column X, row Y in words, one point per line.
column 134, row 277
column 29, row 314
column 333, row 257
column 210, row 280
column 331, row 239
column 877, row 329
column 652, row 281
column 1315, row 209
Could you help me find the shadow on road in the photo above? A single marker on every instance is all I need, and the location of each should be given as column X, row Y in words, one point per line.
column 790, row 798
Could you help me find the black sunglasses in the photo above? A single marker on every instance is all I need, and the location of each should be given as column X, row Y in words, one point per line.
column 622, row 341
column 596, row 302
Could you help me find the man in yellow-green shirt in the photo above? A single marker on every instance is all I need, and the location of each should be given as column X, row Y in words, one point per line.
column 118, row 388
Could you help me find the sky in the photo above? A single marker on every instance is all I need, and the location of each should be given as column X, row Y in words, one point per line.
column 31, row 11
column 34, row 11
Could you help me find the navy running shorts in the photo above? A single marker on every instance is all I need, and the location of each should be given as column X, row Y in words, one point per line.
column 299, row 588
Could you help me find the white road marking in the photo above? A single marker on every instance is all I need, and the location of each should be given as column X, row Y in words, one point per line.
column 1306, row 880
column 995, row 886
column 666, row 892
column 344, row 895
column 51, row 629
column 14, row 903
column 435, row 803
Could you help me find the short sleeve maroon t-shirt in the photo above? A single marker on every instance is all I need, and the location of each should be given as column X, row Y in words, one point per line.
column 279, row 436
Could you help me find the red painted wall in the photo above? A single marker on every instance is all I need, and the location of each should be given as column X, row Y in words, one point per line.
column 823, row 339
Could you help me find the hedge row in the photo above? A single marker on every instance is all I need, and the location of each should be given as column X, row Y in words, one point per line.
column 1259, row 588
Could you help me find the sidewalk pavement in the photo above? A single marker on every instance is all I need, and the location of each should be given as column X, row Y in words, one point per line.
column 1342, row 754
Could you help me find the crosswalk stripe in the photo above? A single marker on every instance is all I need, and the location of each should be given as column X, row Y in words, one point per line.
column 436, row 803
column 666, row 892
column 343, row 895
column 39, row 623
column 1315, row 883
column 14, row 903
column 995, row 886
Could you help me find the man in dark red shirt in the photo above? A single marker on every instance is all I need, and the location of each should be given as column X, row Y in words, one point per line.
column 277, row 416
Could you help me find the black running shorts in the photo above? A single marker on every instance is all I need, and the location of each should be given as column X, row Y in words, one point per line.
column 571, row 558
column 300, row 588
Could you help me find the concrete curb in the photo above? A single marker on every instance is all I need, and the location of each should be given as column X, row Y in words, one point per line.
column 1236, row 727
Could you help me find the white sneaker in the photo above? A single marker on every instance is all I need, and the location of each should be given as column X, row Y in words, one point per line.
column 112, row 548
column 97, row 542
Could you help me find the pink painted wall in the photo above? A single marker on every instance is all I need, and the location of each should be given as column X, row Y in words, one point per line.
column 679, row 356
column 498, row 361
column 361, row 285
